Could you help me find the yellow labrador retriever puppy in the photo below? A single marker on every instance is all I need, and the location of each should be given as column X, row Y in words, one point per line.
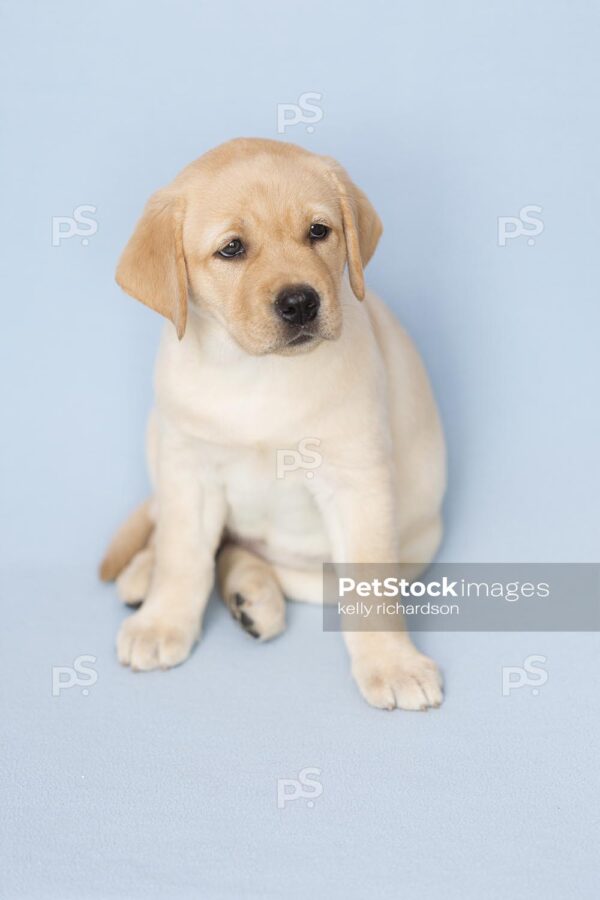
column 245, row 252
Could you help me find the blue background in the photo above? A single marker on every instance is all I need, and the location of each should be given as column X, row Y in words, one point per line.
column 449, row 115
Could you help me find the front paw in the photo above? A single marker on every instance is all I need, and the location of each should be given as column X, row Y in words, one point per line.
column 147, row 641
column 408, row 681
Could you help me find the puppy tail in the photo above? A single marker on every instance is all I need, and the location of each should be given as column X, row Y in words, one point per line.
column 131, row 537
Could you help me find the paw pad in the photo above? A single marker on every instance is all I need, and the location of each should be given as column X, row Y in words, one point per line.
column 242, row 617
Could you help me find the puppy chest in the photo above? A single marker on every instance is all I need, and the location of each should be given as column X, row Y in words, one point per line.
column 264, row 503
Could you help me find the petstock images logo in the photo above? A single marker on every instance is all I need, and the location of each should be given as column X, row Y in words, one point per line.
column 462, row 597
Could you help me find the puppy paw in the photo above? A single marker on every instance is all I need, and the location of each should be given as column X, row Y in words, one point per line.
column 412, row 681
column 260, row 609
column 145, row 642
column 134, row 581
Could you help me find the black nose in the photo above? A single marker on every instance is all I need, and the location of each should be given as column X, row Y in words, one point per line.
column 298, row 304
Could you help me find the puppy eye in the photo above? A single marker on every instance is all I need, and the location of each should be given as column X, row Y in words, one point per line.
column 233, row 248
column 318, row 231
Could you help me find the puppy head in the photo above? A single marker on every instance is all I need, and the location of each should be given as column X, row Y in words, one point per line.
column 256, row 234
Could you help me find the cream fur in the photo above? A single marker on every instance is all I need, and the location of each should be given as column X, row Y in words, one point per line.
column 227, row 403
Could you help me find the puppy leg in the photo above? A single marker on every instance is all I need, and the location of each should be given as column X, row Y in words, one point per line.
column 387, row 667
column 190, row 516
column 251, row 592
column 419, row 545
column 133, row 583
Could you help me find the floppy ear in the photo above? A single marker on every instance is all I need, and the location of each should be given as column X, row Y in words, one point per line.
column 152, row 267
column 362, row 228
